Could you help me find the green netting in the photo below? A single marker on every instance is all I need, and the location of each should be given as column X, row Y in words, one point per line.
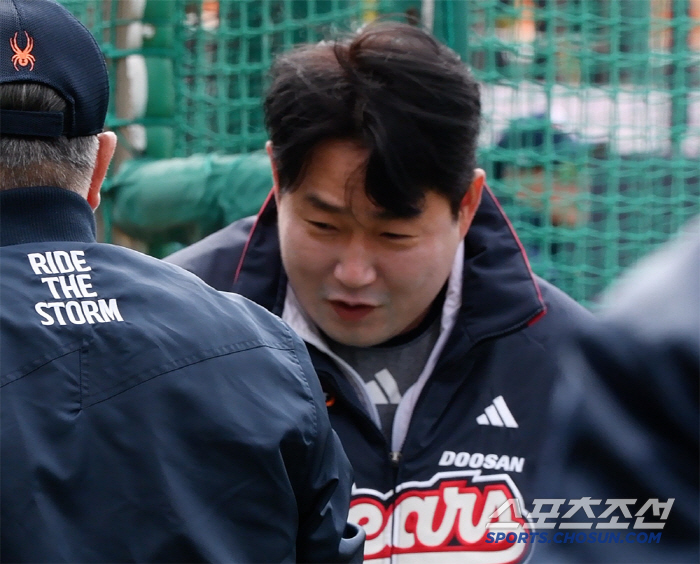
column 222, row 64
column 591, row 108
column 105, row 20
column 622, row 79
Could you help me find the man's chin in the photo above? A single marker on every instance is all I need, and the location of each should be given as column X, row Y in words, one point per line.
column 356, row 337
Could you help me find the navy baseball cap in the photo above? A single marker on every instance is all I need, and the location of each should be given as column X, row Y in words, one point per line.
column 42, row 42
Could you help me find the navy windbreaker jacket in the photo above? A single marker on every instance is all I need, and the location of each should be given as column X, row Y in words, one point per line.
column 468, row 439
column 146, row 417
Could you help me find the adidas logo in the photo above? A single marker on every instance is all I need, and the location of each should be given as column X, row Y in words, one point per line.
column 498, row 415
column 384, row 390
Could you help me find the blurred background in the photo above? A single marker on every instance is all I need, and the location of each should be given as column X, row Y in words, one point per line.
column 591, row 116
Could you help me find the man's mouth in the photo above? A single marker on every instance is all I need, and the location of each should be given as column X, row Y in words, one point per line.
column 351, row 312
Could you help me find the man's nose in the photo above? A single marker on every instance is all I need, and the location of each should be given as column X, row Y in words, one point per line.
column 355, row 269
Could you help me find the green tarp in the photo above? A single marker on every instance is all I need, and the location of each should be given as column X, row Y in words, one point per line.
column 182, row 200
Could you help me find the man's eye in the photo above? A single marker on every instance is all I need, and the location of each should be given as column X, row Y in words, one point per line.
column 322, row 226
column 395, row 236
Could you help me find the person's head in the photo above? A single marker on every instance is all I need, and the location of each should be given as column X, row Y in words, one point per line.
column 53, row 101
column 538, row 161
column 372, row 142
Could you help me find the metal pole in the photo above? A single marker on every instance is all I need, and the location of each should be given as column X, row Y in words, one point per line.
column 427, row 14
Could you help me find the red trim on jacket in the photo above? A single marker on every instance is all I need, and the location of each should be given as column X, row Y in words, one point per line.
column 250, row 235
column 522, row 251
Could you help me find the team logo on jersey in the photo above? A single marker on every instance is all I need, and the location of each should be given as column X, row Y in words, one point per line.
column 22, row 57
column 447, row 517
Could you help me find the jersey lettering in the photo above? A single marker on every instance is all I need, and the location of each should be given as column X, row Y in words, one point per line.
column 72, row 286
column 444, row 519
column 78, row 313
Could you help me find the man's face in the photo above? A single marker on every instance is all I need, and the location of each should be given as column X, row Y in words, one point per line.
column 362, row 276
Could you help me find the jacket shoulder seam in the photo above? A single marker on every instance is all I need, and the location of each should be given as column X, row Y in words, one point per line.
column 175, row 365
column 38, row 363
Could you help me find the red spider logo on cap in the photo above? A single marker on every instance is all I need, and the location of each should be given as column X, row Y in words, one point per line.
column 22, row 57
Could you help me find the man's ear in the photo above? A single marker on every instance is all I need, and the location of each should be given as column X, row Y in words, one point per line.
column 470, row 202
column 275, row 174
column 107, row 144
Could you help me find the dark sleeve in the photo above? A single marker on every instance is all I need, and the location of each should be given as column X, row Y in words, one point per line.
column 215, row 258
column 626, row 427
column 323, row 493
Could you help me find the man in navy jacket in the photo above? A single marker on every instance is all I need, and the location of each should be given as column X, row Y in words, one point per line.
column 144, row 416
column 381, row 246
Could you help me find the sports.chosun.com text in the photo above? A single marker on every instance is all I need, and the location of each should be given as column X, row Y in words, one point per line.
column 572, row 537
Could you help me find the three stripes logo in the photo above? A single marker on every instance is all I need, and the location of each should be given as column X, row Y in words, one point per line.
column 498, row 415
column 383, row 389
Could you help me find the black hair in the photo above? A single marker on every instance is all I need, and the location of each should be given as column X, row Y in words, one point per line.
column 396, row 90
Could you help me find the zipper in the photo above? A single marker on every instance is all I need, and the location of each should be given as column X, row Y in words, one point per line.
column 395, row 460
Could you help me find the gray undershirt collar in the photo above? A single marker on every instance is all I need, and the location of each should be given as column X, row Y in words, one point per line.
column 388, row 372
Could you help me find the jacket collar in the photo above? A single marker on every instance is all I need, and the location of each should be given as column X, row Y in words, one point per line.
column 44, row 213
column 499, row 291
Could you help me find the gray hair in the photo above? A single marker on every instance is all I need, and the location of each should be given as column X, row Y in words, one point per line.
column 61, row 162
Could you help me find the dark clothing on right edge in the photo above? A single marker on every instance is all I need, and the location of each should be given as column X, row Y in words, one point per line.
column 628, row 413
column 147, row 417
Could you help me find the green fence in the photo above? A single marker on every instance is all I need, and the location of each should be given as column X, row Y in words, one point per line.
column 622, row 78
column 109, row 21
column 222, row 67
column 591, row 132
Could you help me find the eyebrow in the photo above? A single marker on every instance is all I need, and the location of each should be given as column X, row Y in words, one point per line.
column 322, row 205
